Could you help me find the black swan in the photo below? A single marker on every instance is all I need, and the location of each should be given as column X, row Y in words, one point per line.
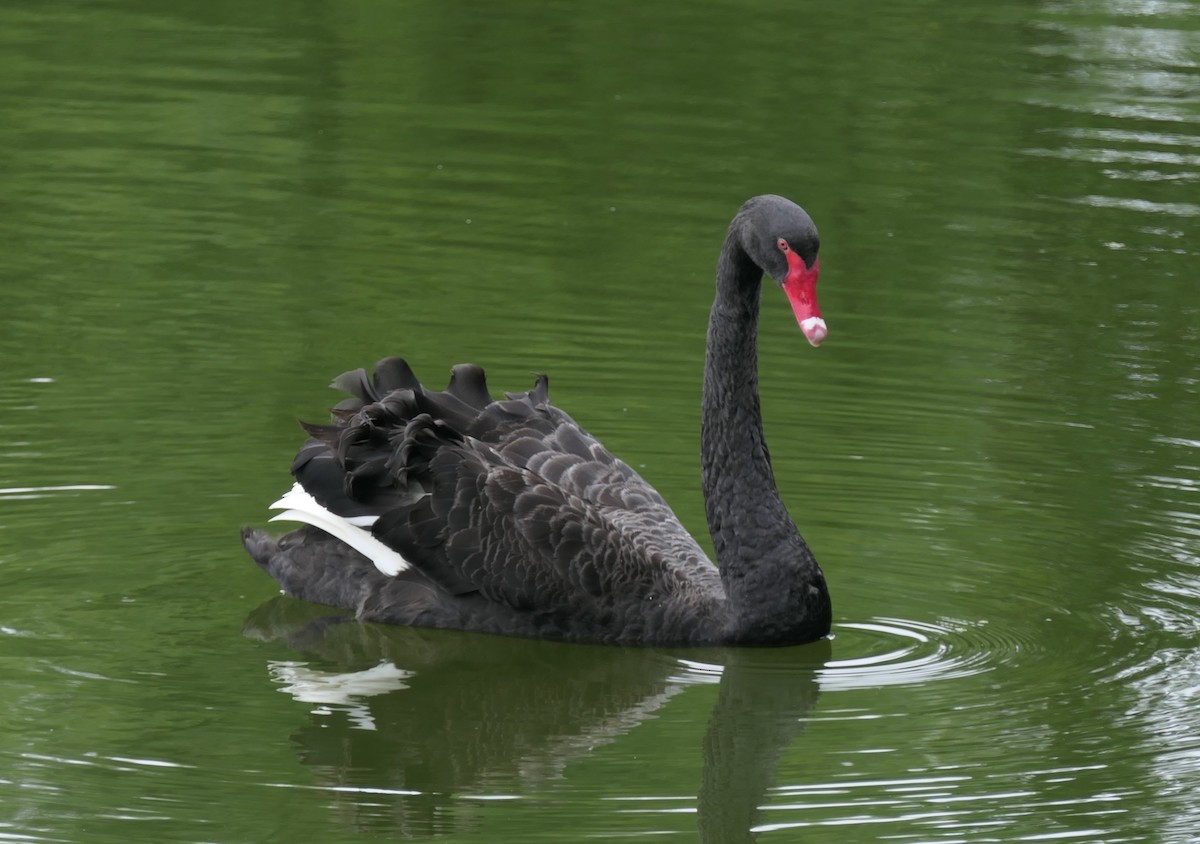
column 454, row 510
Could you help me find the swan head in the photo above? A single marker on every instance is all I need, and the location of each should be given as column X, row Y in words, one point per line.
column 780, row 237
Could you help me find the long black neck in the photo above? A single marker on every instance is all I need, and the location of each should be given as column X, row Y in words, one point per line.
column 769, row 574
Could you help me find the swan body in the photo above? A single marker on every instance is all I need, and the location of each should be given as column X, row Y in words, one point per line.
column 453, row 509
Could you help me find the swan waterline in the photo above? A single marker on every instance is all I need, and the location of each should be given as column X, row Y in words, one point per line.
column 453, row 509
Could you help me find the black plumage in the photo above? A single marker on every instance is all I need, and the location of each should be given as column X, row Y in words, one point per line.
column 515, row 520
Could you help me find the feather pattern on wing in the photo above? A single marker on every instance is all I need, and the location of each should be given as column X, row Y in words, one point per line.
column 506, row 503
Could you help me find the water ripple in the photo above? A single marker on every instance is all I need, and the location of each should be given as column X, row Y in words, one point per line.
column 1174, row 209
column 894, row 651
column 26, row 492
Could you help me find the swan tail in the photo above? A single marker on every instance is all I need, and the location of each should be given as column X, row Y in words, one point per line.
column 372, row 465
column 311, row 565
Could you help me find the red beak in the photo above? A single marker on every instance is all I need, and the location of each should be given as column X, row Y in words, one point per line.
column 801, row 289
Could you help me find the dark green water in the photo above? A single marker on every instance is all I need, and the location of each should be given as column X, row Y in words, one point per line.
column 210, row 209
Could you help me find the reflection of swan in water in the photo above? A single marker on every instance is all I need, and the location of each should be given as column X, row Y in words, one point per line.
column 432, row 718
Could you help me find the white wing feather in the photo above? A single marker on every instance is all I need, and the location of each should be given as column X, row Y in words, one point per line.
column 298, row 506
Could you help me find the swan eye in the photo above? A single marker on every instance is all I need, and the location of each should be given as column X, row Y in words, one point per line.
column 783, row 245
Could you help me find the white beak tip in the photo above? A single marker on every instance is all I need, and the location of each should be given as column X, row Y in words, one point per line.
column 814, row 329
